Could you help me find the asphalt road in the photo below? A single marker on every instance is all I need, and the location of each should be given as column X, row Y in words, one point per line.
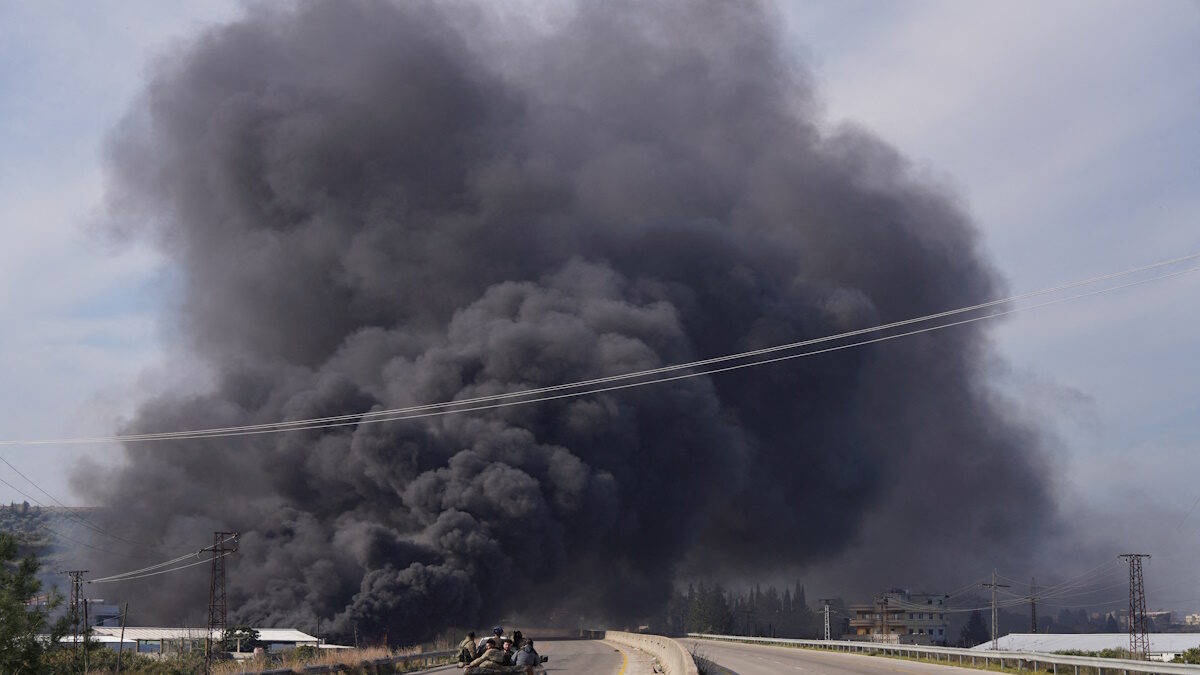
column 574, row 656
column 766, row 660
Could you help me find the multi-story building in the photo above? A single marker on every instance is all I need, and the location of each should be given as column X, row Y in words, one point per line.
column 900, row 617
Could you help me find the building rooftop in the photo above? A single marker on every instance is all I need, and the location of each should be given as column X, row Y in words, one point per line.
column 1048, row 643
column 154, row 633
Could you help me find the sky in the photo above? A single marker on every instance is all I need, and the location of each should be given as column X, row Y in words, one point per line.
column 1068, row 130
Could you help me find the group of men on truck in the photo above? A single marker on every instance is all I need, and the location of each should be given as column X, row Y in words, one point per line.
column 498, row 654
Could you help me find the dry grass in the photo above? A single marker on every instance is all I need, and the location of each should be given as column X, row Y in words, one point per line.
column 327, row 657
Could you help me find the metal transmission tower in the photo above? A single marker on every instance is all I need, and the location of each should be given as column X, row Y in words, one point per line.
column 1139, row 642
column 224, row 543
column 826, row 602
column 1033, row 605
column 994, row 586
column 76, row 592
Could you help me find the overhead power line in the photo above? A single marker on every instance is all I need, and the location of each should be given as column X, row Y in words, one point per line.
column 70, row 513
column 163, row 567
column 206, row 561
column 527, row 396
column 1081, row 584
column 58, row 533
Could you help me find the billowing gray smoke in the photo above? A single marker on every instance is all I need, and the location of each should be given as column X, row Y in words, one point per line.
column 375, row 205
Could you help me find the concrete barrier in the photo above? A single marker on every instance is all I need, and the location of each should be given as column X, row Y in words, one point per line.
column 671, row 655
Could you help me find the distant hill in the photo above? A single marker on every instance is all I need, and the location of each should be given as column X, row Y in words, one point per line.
column 38, row 529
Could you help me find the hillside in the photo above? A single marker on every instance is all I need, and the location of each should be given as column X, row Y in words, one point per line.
column 39, row 529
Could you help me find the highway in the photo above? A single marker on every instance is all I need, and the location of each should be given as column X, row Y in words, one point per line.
column 746, row 659
column 583, row 656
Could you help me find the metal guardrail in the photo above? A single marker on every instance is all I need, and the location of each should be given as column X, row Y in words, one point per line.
column 670, row 654
column 427, row 659
column 1052, row 663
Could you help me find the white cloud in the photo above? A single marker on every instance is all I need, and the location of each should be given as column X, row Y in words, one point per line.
column 1070, row 129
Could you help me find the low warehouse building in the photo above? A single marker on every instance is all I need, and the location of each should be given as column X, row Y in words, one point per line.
column 177, row 640
column 1163, row 646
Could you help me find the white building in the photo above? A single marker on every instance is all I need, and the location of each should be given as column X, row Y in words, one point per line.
column 1163, row 646
column 177, row 640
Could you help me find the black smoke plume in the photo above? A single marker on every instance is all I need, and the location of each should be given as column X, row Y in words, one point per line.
column 373, row 205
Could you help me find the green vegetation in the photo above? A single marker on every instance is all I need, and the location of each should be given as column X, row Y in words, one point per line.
column 1190, row 656
column 21, row 624
column 240, row 638
column 975, row 632
column 757, row 613
column 1118, row 653
column 29, row 525
column 62, row 661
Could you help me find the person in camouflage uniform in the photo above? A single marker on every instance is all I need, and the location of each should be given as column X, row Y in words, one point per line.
column 467, row 651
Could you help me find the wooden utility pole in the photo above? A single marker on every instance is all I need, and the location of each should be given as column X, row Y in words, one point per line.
column 121, row 644
column 994, row 586
column 1033, row 605
column 85, row 634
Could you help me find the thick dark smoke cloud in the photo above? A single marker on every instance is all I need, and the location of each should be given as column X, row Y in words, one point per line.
column 373, row 205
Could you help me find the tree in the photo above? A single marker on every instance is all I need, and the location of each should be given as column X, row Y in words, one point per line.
column 975, row 632
column 709, row 612
column 21, row 623
column 1188, row 656
column 240, row 638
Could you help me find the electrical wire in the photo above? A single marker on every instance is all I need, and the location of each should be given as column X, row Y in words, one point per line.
column 438, row 413
column 59, row 533
column 447, row 407
column 1066, row 589
column 963, row 589
column 173, row 561
column 140, row 573
column 72, row 514
column 152, row 574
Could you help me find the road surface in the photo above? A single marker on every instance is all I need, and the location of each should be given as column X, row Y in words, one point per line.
column 747, row 659
column 584, row 656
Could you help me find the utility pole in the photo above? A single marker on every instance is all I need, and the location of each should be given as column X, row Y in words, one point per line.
column 1139, row 642
column 994, row 586
column 1033, row 605
column 881, row 603
column 826, row 602
column 121, row 644
column 76, row 591
column 85, row 640
column 224, row 543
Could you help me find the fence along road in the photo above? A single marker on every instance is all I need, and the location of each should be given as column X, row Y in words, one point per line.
column 743, row 651
column 745, row 659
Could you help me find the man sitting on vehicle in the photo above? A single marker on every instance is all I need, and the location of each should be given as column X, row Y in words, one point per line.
column 527, row 657
column 467, row 650
column 497, row 634
column 491, row 660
